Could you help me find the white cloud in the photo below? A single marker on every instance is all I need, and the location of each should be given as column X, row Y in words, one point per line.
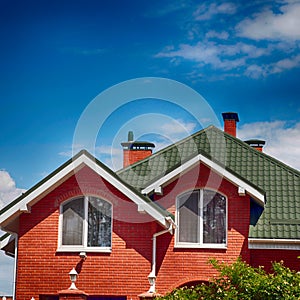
column 263, row 70
column 218, row 56
column 222, row 35
column 284, row 25
column 206, row 12
column 255, row 71
column 8, row 192
column 285, row 64
column 271, row 47
column 282, row 139
column 8, row 189
column 239, row 56
column 176, row 128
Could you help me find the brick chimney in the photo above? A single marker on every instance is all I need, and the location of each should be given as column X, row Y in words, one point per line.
column 256, row 144
column 134, row 151
column 230, row 120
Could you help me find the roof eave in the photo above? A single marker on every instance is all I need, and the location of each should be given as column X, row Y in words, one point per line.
column 23, row 204
column 279, row 244
column 7, row 244
column 256, row 194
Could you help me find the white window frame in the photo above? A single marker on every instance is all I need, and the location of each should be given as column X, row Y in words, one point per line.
column 179, row 244
column 84, row 247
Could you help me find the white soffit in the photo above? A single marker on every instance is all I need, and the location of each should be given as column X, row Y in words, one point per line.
column 280, row 244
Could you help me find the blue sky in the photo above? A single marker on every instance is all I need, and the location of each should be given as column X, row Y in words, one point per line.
column 57, row 56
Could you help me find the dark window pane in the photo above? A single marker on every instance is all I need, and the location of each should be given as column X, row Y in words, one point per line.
column 99, row 223
column 73, row 215
column 214, row 218
column 188, row 217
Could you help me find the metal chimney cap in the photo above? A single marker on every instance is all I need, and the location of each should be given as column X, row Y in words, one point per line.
column 255, row 142
column 230, row 116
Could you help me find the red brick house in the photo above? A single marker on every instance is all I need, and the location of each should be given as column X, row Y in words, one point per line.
column 160, row 219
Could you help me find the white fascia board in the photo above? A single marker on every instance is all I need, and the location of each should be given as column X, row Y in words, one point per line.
column 254, row 193
column 280, row 244
column 46, row 187
column 6, row 241
column 64, row 174
column 173, row 174
column 142, row 205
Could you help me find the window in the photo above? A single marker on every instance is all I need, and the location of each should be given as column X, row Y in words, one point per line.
column 201, row 219
column 85, row 224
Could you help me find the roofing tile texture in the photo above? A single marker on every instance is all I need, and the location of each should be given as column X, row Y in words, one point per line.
column 281, row 183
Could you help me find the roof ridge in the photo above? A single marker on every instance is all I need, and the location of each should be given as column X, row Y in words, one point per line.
column 163, row 150
column 227, row 136
column 220, row 133
column 264, row 155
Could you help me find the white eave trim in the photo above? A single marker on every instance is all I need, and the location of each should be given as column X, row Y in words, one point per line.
column 25, row 204
column 241, row 184
column 129, row 193
column 280, row 244
column 6, row 241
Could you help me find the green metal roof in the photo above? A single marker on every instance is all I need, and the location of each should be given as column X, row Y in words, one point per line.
column 4, row 236
column 281, row 183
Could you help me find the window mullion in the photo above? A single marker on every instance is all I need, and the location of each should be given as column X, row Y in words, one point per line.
column 201, row 216
column 85, row 221
column 177, row 220
column 60, row 231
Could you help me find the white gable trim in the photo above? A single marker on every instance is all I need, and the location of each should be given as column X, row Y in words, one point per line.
column 241, row 184
column 141, row 204
column 33, row 197
column 6, row 241
column 280, row 244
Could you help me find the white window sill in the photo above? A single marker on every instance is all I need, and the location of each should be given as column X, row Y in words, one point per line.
column 200, row 246
column 84, row 249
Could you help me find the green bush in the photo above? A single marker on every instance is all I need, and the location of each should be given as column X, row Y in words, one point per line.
column 241, row 281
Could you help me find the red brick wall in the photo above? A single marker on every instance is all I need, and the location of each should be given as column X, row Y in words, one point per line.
column 178, row 266
column 124, row 271
column 132, row 156
column 266, row 257
column 42, row 270
column 230, row 127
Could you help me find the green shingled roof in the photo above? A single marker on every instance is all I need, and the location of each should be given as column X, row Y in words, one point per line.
column 281, row 183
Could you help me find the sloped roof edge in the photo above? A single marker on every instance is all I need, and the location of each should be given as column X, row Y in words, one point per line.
column 279, row 182
column 7, row 242
column 255, row 192
column 227, row 136
column 22, row 203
